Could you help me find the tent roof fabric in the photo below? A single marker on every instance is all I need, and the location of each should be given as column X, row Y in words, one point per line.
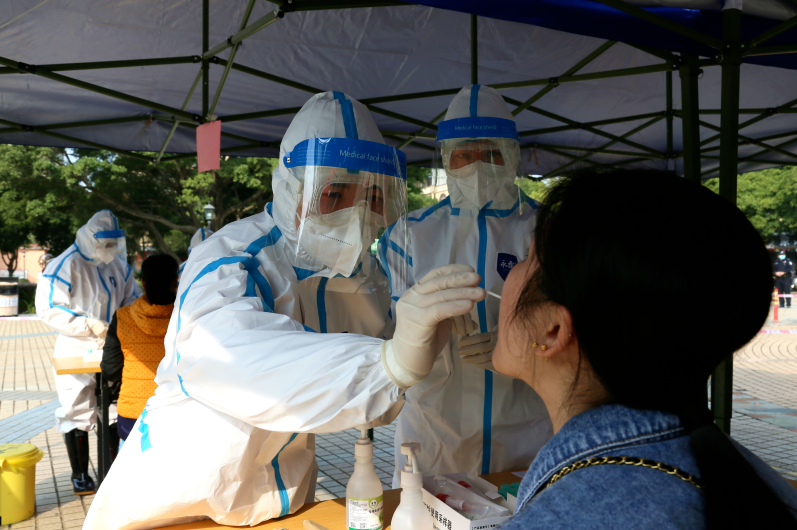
column 595, row 19
column 381, row 56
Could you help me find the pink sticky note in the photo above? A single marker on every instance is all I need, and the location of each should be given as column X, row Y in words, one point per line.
column 208, row 146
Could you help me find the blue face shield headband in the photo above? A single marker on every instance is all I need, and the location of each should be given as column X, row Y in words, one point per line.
column 350, row 154
column 477, row 128
column 109, row 234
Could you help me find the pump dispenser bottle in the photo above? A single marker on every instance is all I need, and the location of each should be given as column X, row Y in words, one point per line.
column 411, row 513
column 364, row 491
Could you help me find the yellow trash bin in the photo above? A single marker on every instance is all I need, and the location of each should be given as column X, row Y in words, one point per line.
column 18, row 481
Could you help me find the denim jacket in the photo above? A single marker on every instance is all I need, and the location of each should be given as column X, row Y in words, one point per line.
column 621, row 496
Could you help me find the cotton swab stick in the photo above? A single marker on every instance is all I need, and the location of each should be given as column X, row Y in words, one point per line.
column 493, row 294
column 312, row 525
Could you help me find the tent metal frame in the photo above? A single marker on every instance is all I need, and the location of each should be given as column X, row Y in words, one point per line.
column 730, row 53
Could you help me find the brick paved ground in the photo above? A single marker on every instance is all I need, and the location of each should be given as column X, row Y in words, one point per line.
column 764, row 419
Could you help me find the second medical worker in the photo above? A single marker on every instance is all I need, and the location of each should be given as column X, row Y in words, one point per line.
column 80, row 291
column 466, row 417
column 277, row 334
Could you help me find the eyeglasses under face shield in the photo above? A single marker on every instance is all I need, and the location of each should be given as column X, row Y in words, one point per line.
column 488, row 145
column 495, row 157
column 337, row 190
column 344, row 178
column 351, row 191
column 110, row 242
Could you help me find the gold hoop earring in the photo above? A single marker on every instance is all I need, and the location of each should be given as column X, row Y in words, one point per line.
column 546, row 359
column 543, row 347
column 534, row 345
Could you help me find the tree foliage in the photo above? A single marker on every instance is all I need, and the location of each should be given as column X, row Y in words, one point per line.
column 163, row 203
column 36, row 204
column 46, row 194
column 416, row 180
column 769, row 200
column 537, row 189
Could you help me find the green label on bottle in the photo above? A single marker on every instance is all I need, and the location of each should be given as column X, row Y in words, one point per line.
column 365, row 514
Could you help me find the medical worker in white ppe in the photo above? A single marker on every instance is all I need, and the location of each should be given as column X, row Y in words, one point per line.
column 78, row 294
column 198, row 237
column 277, row 334
column 466, row 417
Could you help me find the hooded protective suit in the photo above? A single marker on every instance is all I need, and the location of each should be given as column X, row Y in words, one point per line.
column 247, row 378
column 198, row 237
column 79, row 293
column 468, row 418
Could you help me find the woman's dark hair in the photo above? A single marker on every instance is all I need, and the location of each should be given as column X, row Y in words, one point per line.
column 160, row 272
column 664, row 280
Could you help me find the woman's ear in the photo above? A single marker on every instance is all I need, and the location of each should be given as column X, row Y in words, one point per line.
column 558, row 335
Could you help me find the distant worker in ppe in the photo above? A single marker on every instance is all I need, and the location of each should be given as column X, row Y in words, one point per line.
column 198, row 237
column 79, row 292
column 466, row 417
column 277, row 334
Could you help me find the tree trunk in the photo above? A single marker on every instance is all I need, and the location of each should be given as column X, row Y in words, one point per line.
column 161, row 242
column 10, row 259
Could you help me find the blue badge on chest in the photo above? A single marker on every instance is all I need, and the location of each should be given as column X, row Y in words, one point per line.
column 113, row 281
column 505, row 264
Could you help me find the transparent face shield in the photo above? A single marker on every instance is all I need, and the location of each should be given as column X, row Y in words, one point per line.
column 110, row 243
column 480, row 172
column 352, row 191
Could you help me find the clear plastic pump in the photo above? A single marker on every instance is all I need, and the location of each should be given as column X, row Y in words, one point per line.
column 411, row 513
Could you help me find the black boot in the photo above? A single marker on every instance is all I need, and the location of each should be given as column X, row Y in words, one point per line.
column 77, row 447
column 114, row 442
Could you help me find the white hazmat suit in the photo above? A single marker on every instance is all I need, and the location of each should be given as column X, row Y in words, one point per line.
column 466, row 417
column 198, row 237
column 247, row 376
column 79, row 293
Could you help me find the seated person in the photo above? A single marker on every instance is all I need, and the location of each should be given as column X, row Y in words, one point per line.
column 134, row 343
column 634, row 444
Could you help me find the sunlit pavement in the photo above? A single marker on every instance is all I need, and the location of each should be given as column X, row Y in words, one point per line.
column 764, row 418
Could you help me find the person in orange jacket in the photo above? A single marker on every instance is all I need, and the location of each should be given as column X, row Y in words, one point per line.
column 134, row 343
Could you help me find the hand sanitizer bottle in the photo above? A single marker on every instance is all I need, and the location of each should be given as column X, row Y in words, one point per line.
column 364, row 491
column 411, row 513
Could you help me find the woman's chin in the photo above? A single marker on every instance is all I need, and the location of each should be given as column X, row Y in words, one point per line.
column 499, row 357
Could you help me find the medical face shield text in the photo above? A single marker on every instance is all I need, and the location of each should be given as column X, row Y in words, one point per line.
column 353, row 190
column 480, row 158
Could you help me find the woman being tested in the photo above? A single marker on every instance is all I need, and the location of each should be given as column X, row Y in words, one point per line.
column 277, row 334
column 635, row 446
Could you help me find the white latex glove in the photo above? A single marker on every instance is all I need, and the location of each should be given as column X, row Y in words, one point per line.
column 98, row 327
column 463, row 325
column 421, row 321
column 478, row 349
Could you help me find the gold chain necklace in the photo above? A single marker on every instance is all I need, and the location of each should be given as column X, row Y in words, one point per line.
column 625, row 460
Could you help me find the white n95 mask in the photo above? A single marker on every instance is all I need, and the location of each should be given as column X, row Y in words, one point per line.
column 480, row 186
column 338, row 240
column 106, row 255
